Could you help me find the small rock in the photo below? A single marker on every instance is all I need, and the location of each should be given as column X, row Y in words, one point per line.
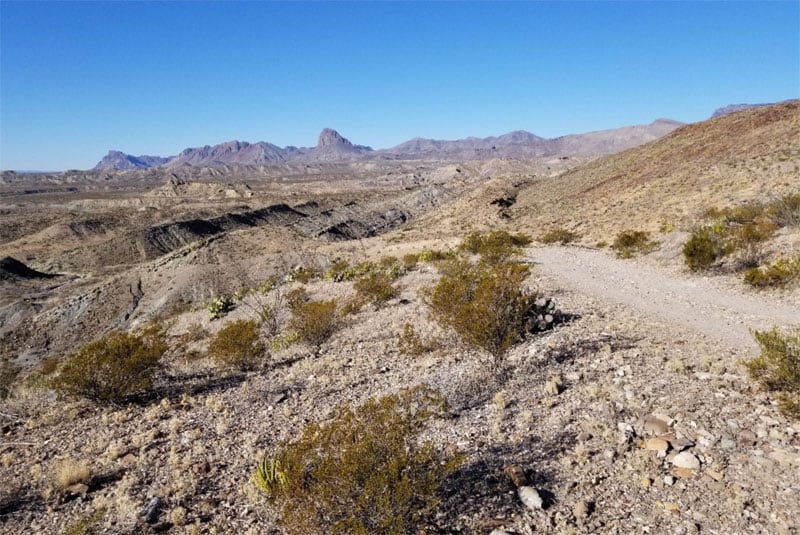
column 78, row 488
column 531, row 498
column 279, row 398
column 516, row 474
column 713, row 474
column 683, row 473
column 201, row 468
column 582, row 509
column 584, row 437
column 499, row 532
column 746, row 439
column 552, row 388
column 686, row 460
column 153, row 510
column 655, row 426
column 656, row 444
column 128, row 460
column 680, row 444
column 646, row 482
column 669, row 480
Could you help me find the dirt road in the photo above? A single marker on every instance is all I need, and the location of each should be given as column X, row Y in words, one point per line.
column 691, row 302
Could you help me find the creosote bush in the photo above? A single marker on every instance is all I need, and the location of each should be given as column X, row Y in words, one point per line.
column 237, row 346
column 363, row 472
column 629, row 243
column 113, row 367
column 559, row 235
column 314, row 321
column 486, row 305
column 777, row 368
column 778, row 275
column 496, row 246
column 376, row 288
column 739, row 230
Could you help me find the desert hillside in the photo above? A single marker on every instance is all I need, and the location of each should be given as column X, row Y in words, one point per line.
column 465, row 382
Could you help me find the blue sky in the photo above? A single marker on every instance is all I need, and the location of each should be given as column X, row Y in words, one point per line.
column 80, row 78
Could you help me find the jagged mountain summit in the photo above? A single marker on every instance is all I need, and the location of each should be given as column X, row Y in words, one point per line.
column 119, row 160
column 332, row 146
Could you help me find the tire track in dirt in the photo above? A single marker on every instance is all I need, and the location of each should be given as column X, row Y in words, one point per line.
column 692, row 303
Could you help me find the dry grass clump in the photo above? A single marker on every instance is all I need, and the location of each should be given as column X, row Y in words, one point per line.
column 69, row 472
column 113, row 367
column 778, row 275
column 629, row 243
column 777, row 368
column 362, row 472
column 559, row 235
column 237, row 346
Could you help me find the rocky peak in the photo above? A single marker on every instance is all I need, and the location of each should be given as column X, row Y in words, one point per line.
column 331, row 138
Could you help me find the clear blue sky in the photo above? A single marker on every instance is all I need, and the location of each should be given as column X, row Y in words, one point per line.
column 80, row 78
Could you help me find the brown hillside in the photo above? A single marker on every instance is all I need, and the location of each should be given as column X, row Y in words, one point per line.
column 668, row 182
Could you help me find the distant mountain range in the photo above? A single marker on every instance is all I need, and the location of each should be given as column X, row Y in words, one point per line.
column 332, row 146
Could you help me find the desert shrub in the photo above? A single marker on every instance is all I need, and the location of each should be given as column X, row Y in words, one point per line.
column 362, row 472
column 411, row 343
column 296, row 297
column 778, row 275
column 785, row 212
column 376, row 288
column 314, row 321
column 496, row 246
column 237, row 346
column 559, row 235
column 486, row 305
column 303, row 274
column 113, row 367
column 410, row 261
column 434, row 255
column 220, row 306
column 704, row 247
column 777, row 368
column 629, row 243
column 88, row 524
column 339, row 271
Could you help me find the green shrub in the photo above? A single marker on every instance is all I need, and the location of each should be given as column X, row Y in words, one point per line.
column 296, row 297
column 496, row 246
column 304, row 274
column 704, row 247
column 785, row 212
column 314, row 321
column 778, row 275
column 629, row 243
column 363, row 472
column 559, row 235
column 434, row 255
column 777, row 368
column 376, row 288
column 237, row 346
column 339, row 271
column 113, row 367
column 485, row 305
column 220, row 306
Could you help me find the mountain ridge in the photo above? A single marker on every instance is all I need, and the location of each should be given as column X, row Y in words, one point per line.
column 332, row 146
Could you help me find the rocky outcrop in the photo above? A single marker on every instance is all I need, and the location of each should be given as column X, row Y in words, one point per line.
column 121, row 161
